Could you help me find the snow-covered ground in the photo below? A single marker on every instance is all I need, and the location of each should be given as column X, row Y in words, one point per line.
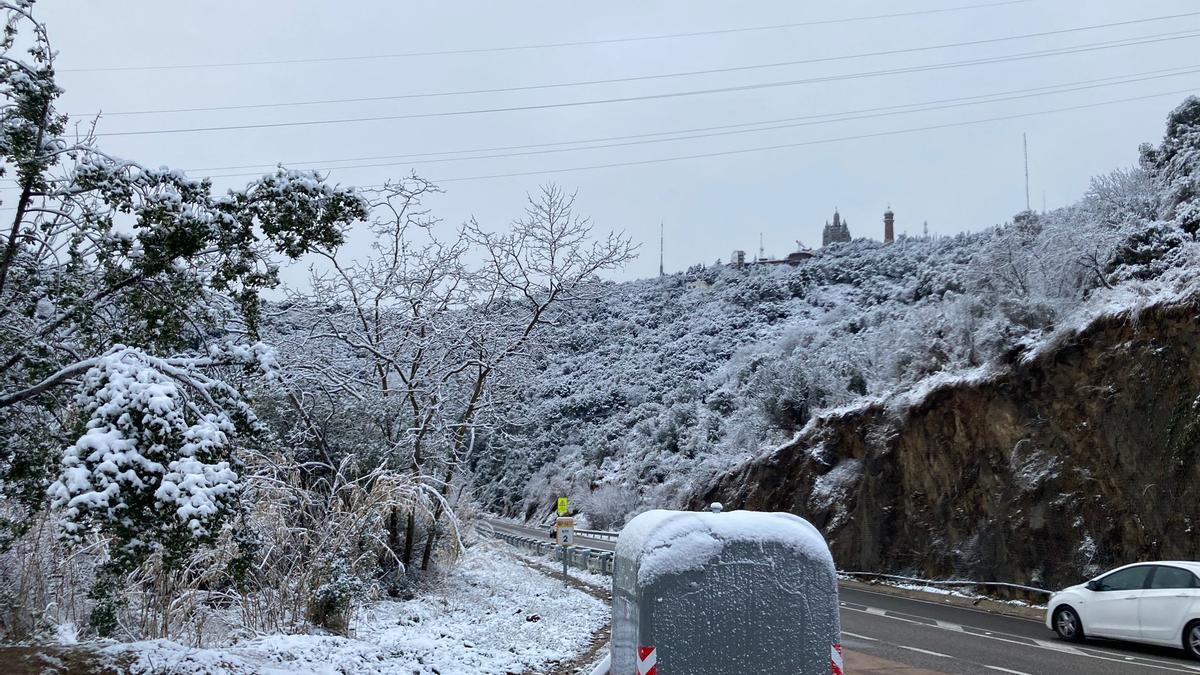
column 492, row 614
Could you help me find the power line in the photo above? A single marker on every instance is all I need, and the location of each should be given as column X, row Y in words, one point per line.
column 548, row 45
column 782, row 146
column 1129, row 42
column 813, row 120
column 1057, row 88
column 822, row 141
column 640, row 78
column 723, row 130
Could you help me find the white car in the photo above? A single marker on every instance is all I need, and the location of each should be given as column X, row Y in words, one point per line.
column 1157, row 603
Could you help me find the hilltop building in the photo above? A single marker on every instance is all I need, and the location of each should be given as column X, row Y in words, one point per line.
column 834, row 233
column 838, row 232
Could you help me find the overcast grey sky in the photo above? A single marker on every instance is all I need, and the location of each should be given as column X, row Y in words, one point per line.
column 956, row 178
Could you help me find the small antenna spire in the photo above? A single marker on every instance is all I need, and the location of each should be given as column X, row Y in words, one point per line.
column 1025, row 147
column 660, row 249
column 762, row 253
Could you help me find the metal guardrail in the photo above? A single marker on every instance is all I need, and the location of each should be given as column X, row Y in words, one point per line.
column 928, row 582
column 602, row 560
column 597, row 534
column 580, row 557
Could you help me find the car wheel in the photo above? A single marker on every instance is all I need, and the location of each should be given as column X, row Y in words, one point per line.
column 1067, row 624
column 1191, row 639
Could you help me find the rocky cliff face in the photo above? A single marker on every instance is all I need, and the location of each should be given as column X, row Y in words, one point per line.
column 1082, row 457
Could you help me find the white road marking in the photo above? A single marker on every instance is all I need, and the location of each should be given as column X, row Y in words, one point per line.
column 1059, row 647
column 1029, row 642
column 1006, row 670
column 860, row 637
column 925, row 651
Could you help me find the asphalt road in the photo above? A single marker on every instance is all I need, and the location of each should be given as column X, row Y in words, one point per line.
column 884, row 633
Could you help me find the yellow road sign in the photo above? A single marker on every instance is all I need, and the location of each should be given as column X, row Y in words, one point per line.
column 562, row 506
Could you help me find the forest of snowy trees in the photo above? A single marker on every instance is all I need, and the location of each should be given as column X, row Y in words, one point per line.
column 659, row 386
column 177, row 451
column 176, row 448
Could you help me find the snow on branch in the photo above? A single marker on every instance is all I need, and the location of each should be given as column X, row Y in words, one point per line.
column 147, row 444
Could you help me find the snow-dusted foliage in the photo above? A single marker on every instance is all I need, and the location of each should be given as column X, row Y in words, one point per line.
column 145, row 448
column 129, row 301
column 409, row 359
column 656, row 386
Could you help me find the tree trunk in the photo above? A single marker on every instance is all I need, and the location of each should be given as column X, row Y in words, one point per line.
column 409, row 534
column 437, row 516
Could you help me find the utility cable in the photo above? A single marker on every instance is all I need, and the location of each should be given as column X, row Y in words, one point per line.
column 639, row 78
column 847, row 118
column 726, row 129
column 821, row 141
column 1179, row 35
column 546, row 45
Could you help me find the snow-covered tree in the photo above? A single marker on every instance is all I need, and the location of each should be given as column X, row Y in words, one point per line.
column 129, row 300
column 425, row 340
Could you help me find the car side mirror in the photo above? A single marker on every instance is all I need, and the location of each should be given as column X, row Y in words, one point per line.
column 1093, row 585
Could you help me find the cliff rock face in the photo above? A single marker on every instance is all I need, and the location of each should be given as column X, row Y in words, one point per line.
column 1082, row 457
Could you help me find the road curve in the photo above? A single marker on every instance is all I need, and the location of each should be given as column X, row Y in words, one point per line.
column 884, row 633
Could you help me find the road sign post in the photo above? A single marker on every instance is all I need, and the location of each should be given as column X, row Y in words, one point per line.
column 565, row 535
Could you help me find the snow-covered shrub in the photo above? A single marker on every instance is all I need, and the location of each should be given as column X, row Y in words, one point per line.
column 333, row 600
column 609, row 506
column 150, row 468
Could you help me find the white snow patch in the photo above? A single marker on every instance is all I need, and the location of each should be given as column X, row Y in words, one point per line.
column 670, row 542
column 492, row 615
column 835, row 485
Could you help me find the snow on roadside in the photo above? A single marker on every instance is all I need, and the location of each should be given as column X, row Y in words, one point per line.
column 944, row 590
column 551, row 566
column 491, row 615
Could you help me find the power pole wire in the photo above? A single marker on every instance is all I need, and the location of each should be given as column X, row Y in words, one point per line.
column 1129, row 42
column 782, row 146
column 548, row 45
column 844, row 117
column 720, row 130
column 1012, row 94
column 640, row 78
column 821, row 141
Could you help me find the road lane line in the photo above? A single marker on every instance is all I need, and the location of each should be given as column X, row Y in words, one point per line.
column 925, row 651
column 1060, row 647
column 1030, row 642
column 1006, row 670
column 860, row 637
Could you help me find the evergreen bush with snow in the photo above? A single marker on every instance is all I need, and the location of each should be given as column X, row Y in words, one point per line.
column 146, row 449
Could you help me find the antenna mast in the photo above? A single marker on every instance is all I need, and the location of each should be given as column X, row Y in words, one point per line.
column 660, row 249
column 762, row 252
column 1025, row 147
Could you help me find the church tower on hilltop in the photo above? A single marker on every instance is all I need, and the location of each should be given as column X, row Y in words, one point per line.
column 839, row 231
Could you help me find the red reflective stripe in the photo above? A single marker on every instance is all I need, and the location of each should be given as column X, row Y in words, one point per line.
column 835, row 659
column 647, row 661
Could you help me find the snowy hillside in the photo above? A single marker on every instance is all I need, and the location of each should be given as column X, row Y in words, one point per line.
column 650, row 391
